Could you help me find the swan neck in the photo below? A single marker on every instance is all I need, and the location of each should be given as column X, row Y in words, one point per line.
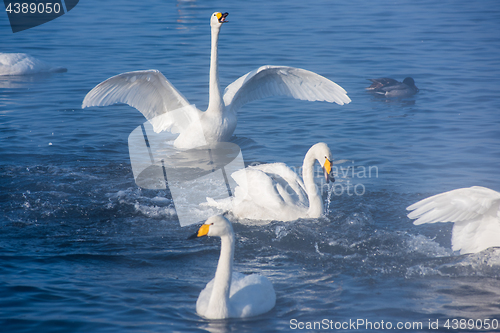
column 219, row 300
column 215, row 102
column 315, row 201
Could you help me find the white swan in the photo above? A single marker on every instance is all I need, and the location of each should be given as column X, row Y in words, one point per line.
column 231, row 294
column 475, row 212
column 275, row 192
column 24, row 64
column 155, row 97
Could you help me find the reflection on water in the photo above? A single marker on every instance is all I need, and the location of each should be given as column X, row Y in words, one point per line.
column 190, row 175
column 24, row 81
column 185, row 18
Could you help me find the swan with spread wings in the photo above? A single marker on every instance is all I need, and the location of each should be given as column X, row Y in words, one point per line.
column 167, row 109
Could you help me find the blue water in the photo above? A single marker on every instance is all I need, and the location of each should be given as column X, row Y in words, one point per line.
column 84, row 249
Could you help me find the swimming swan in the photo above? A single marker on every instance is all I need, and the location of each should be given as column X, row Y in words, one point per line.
column 24, row 64
column 475, row 212
column 231, row 294
column 155, row 97
column 275, row 192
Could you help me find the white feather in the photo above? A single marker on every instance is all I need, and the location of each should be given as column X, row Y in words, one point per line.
column 231, row 294
column 24, row 64
column 156, row 98
column 268, row 81
column 147, row 91
column 275, row 192
column 474, row 210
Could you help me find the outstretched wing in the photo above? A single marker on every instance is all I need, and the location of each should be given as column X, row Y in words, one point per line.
column 461, row 205
column 147, row 91
column 474, row 212
column 269, row 81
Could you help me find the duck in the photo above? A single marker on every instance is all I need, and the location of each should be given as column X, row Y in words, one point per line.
column 392, row 88
column 274, row 192
column 474, row 212
column 168, row 110
column 25, row 64
column 231, row 294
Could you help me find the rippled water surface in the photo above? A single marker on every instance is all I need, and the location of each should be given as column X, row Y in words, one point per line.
column 84, row 249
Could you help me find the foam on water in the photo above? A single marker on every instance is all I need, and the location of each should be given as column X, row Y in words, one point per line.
column 157, row 207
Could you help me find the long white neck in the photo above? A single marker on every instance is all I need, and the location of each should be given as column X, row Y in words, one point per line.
column 218, row 306
column 315, row 200
column 215, row 101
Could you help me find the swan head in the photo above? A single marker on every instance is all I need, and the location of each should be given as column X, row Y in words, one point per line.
column 216, row 225
column 322, row 153
column 217, row 19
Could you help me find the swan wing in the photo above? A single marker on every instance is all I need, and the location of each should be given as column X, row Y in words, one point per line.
column 461, row 205
column 476, row 235
column 271, row 185
column 204, row 298
column 257, row 187
column 267, row 195
column 474, row 211
column 288, row 183
column 149, row 92
column 251, row 295
column 269, row 81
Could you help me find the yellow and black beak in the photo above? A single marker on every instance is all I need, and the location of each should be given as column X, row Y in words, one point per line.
column 222, row 17
column 203, row 231
column 327, row 168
